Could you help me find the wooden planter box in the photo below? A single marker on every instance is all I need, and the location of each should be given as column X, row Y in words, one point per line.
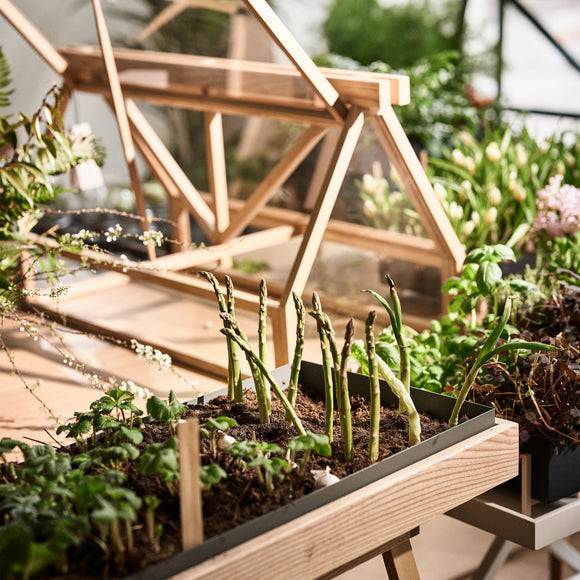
column 335, row 528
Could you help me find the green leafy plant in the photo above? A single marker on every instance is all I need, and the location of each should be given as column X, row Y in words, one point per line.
column 211, row 474
column 257, row 455
column 162, row 460
column 480, row 280
column 168, row 412
column 306, row 444
column 486, row 353
column 211, row 428
column 488, row 186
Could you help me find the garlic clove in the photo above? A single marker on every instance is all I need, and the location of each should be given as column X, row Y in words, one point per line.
column 323, row 477
column 224, row 440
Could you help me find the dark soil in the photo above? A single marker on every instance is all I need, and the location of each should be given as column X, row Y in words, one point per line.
column 239, row 498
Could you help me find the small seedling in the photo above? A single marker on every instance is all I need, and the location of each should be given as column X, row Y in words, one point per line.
column 211, row 427
column 307, row 444
column 211, row 474
column 168, row 412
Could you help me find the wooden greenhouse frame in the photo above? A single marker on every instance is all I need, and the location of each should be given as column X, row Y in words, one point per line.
column 319, row 99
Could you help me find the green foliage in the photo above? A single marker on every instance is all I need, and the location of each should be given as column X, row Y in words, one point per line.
column 257, row 454
column 161, row 460
column 400, row 35
column 488, row 185
column 212, row 426
column 211, row 474
column 306, row 444
column 167, row 412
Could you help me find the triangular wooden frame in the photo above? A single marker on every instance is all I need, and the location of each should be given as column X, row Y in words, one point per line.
column 339, row 99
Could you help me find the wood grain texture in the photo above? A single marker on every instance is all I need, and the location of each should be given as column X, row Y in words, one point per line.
column 190, row 484
column 179, row 76
column 342, row 531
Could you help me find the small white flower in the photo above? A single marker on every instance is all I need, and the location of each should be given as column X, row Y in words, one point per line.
column 458, row 158
column 491, row 216
column 467, row 228
column 494, row 195
column 440, row 191
column 492, row 152
column 475, row 218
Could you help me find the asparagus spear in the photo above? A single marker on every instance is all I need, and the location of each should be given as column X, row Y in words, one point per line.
column 234, row 368
column 375, row 395
column 298, row 350
column 232, row 324
column 233, row 361
column 405, row 400
column 236, row 335
column 262, row 350
column 326, row 368
column 343, row 395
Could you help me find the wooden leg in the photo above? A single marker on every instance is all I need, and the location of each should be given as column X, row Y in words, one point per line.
column 400, row 562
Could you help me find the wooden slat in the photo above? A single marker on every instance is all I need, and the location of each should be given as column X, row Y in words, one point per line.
column 152, row 274
column 33, row 36
column 417, row 186
column 118, row 103
column 391, row 244
column 314, row 233
column 167, row 169
column 216, row 167
column 369, row 517
column 190, row 506
column 294, row 51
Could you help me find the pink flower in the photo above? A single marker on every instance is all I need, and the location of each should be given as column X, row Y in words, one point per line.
column 558, row 209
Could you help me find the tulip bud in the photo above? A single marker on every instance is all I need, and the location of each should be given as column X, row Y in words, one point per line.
column 492, row 152
column 491, row 216
column 440, row 192
column 494, row 195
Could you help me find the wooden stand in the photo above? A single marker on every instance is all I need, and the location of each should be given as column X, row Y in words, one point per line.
column 317, row 98
column 514, row 519
column 375, row 519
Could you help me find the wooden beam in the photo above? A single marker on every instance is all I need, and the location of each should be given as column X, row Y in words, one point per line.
column 33, row 36
column 216, row 169
column 159, row 157
column 118, row 104
column 166, row 77
column 315, row 230
column 417, row 185
column 289, row 45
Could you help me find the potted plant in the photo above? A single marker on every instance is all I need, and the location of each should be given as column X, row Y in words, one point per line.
column 541, row 392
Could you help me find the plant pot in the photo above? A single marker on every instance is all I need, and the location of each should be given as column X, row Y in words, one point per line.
column 339, row 526
column 555, row 470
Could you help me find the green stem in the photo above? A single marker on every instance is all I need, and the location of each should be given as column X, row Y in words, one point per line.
column 262, row 396
column 405, row 400
column 298, row 350
column 375, row 395
column 327, row 372
column 401, row 341
column 234, row 370
column 225, row 308
column 251, row 355
column 343, row 395
column 262, row 348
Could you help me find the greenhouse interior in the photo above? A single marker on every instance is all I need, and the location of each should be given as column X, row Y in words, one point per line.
column 270, row 274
